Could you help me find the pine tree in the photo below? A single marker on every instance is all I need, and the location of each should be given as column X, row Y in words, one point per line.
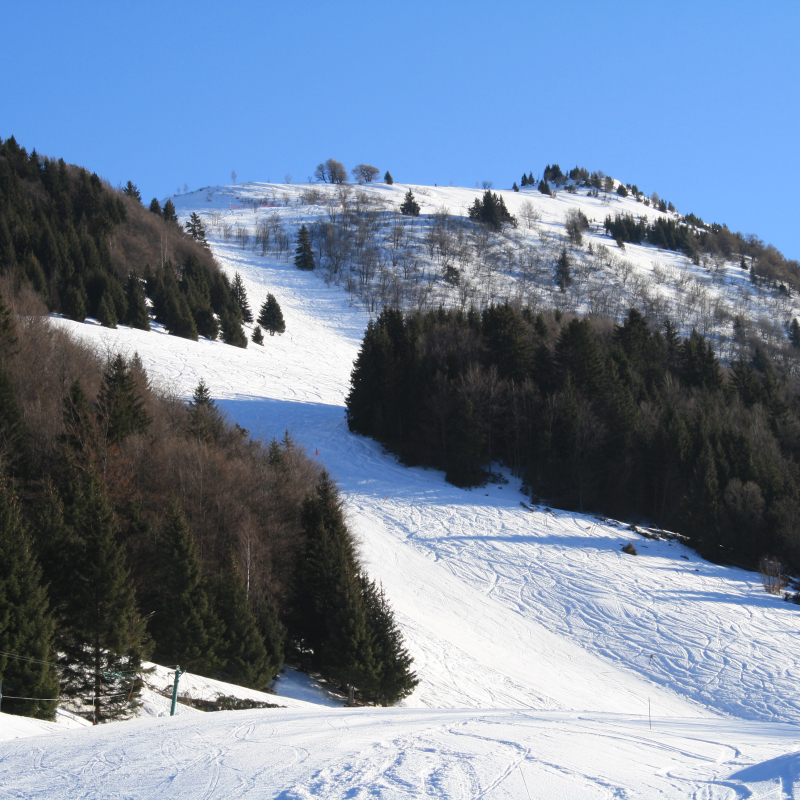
column 106, row 312
column 169, row 213
column 205, row 419
column 195, row 228
column 120, row 409
column 258, row 336
column 75, row 302
column 410, row 206
column 130, row 189
column 184, row 626
column 544, row 188
column 155, row 207
column 136, row 315
column 231, row 329
column 271, row 316
column 387, row 178
column 240, row 296
column 563, row 271
column 330, row 618
column 8, row 334
column 304, row 254
column 100, row 636
column 515, row 187
column 394, row 679
column 242, row 649
column 794, row 333
column 26, row 623
column 14, row 455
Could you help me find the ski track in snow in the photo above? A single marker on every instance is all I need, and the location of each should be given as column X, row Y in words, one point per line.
column 501, row 607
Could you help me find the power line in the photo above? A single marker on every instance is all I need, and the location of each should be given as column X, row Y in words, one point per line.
column 25, row 658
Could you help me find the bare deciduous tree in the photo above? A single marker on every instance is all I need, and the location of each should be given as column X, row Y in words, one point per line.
column 365, row 173
column 331, row 171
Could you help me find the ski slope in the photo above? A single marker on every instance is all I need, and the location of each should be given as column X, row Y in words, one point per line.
column 541, row 648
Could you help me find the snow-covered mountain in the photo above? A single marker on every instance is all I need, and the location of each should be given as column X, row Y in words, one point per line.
column 549, row 661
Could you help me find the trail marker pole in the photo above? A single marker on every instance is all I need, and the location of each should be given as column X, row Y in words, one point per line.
column 178, row 673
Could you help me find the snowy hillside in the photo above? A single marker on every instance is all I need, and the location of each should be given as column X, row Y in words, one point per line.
column 541, row 647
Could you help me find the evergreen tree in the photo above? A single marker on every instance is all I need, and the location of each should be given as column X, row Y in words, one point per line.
column 169, row 212
column 394, row 679
column 271, row 316
column 120, row 409
column 100, row 636
column 544, row 188
column 205, row 419
column 14, row 456
column 231, row 329
column 794, row 333
column 155, row 207
column 130, row 189
column 106, row 312
column 240, row 296
column 196, row 229
column 387, row 178
column 26, row 624
column 258, row 336
column 8, row 334
column 515, row 187
column 410, row 206
column 304, row 254
column 330, row 616
column 184, row 626
column 136, row 315
column 242, row 648
column 75, row 302
column 563, row 271
column 524, row 181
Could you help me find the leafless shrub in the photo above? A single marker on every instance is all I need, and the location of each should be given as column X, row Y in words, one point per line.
column 773, row 574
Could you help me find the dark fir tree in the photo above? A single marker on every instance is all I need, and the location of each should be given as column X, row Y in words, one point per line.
column 240, row 296
column 563, row 271
column 195, row 228
column 304, row 254
column 394, row 678
column 184, row 626
column 271, row 316
column 130, row 189
column 75, row 302
column 205, row 419
column 155, row 207
column 106, row 311
column 794, row 333
column 100, row 636
column 136, row 315
column 330, row 620
column 231, row 329
column 27, row 626
column 242, row 651
column 544, row 188
column 14, row 456
column 387, row 178
column 169, row 212
column 410, row 206
column 120, row 409
column 258, row 336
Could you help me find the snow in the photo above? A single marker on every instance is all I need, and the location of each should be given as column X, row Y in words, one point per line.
column 543, row 650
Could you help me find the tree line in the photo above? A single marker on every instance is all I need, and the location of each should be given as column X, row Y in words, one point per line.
column 134, row 525
column 90, row 251
column 621, row 419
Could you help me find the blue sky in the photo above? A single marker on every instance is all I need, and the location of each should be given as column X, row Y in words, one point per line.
column 697, row 101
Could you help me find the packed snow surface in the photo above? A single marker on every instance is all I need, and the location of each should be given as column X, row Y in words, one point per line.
column 549, row 661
